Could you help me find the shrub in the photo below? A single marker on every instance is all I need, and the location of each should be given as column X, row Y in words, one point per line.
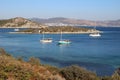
column 77, row 73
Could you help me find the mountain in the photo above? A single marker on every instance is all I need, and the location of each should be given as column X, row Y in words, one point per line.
column 60, row 21
column 19, row 22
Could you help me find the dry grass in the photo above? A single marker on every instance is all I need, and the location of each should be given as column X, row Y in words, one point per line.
column 13, row 69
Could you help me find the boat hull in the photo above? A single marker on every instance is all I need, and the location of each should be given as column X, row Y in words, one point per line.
column 64, row 42
column 46, row 41
column 95, row 35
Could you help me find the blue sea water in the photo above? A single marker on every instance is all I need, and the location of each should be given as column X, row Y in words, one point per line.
column 100, row 55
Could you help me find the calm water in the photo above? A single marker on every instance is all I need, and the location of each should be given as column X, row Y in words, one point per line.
column 101, row 55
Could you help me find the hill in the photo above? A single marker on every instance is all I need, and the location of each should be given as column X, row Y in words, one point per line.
column 60, row 21
column 20, row 23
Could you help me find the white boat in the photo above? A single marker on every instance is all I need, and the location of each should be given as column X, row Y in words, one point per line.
column 46, row 40
column 16, row 29
column 95, row 34
column 63, row 41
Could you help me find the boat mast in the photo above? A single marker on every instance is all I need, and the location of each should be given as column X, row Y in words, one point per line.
column 95, row 26
column 61, row 35
column 43, row 35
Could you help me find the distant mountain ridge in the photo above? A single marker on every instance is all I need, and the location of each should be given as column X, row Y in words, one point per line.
column 59, row 21
column 19, row 22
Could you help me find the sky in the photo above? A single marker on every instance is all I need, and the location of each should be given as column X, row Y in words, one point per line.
column 77, row 9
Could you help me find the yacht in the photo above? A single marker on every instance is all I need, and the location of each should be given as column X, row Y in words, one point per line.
column 95, row 34
column 46, row 40
column 16, row 29
column 63, row 41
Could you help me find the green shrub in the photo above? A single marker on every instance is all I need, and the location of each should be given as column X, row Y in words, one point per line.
column 3, row 75
column 77, row 73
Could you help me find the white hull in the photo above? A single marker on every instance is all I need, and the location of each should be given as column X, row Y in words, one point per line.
column 95, row 35
column 16, row 29
column 46, row 40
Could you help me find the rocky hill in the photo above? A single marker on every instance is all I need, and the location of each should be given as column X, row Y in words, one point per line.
column 60, row 21
column 20, row 23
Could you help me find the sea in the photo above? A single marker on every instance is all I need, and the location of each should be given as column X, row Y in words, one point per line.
column 100, row 55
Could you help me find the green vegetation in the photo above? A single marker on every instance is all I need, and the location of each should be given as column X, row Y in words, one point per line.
column 33, row 30
column 64, row 29
column 3, row 22
column 77, row 73
column 57, row 29
column 18, row 69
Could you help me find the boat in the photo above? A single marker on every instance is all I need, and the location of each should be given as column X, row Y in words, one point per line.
column 46, row 40
column 63, row 41
column 95, row 34
column 16, row 29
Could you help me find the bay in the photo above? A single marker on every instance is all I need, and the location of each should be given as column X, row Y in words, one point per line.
column 100, row 55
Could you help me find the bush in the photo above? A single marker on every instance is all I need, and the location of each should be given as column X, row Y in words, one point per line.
column 77, row 73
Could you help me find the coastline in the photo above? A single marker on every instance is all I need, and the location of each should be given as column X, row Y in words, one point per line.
column 53, row 30
column 88, row 32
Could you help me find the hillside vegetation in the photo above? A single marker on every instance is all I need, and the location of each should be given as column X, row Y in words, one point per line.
column 64, row 29
column 17, row 69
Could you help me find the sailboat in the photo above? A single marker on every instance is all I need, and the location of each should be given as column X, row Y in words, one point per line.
column 63, row 41
column 16, row 29
column 46, row 40
column 95, row 34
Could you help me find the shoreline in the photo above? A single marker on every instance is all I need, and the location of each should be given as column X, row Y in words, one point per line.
column 89, row 32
